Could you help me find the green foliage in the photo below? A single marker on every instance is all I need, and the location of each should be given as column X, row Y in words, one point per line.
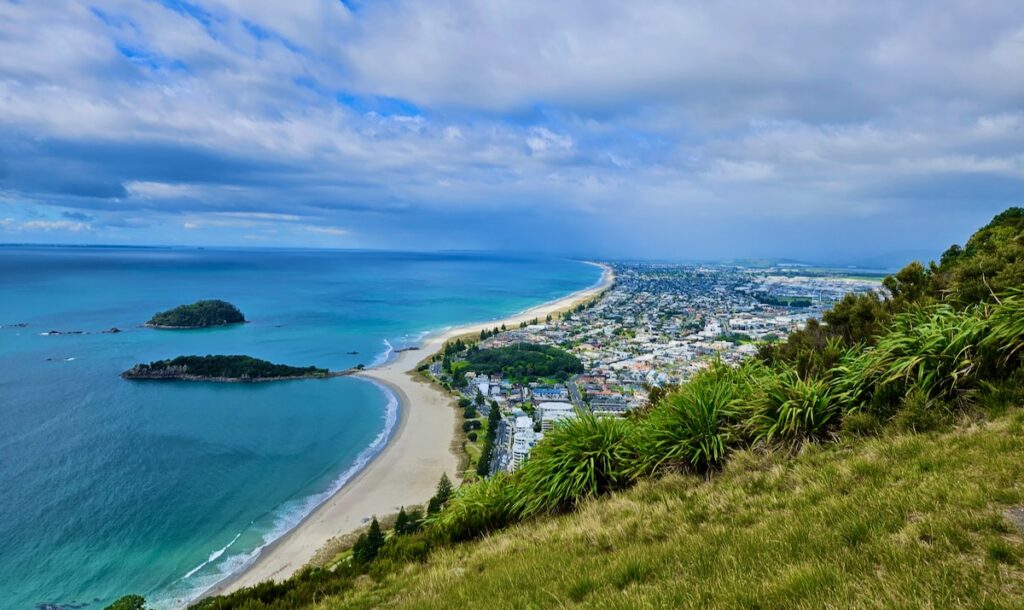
column 812, row 351
column 128, row 602
column 441, row 495
column 991, row 263
column 478, row 509
column 897, row 521
column 465, row 403
column 224, row 367
column 471, row 425
column 858, row 318
column 579, row 459
column 783, row 301
column 524, row 362
column 789, row 409
column 200, row 314
column 912, row 285
column 861, row 423
column 936, row 349
column 368, row 544
column 691, row 426
column 469, row 412
column 920, row 412
column 298, row 592
column 1005, row 332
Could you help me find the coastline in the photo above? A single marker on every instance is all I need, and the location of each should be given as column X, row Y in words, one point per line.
column 406, row 470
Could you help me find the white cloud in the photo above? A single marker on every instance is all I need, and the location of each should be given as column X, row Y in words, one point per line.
column 335, row 231
column 55, row 225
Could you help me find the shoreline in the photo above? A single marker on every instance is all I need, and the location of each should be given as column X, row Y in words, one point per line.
column 406, row 470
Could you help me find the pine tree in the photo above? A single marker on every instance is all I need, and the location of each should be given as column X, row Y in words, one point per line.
column 374, row 538
column 444, row 492
column 401, row 522
column 359, row 552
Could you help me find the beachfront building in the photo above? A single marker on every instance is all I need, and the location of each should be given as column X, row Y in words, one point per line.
column 550, row 413
column 523, row 440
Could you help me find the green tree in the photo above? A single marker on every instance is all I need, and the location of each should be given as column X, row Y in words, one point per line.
column 401, row 522
column 368, row 544
column 465, row 403
column 479, row 398
column 128, row 602
column 442, row 495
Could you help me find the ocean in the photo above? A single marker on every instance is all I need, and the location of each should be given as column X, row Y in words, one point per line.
column 110, row 487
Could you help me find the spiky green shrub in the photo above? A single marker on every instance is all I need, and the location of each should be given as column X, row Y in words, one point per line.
column 855, row 379
column 578, row 459
column 477, row 509
column 789, row 410
column 1005, row 336
column 692, row 427
column 936, row 349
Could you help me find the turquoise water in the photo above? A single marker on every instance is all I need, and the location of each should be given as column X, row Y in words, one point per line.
column 109, row 486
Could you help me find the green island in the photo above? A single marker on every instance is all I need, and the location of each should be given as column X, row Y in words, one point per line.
column 201, row 314
column 222, row 368
column 525, row 362
column 874, row 459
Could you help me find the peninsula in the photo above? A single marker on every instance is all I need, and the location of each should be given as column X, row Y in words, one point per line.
column 224, row 369
column 201, row 314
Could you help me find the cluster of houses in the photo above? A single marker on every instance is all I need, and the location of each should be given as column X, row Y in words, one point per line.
column 660, row 324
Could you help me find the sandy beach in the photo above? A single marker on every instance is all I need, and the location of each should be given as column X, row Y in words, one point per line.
column 406, row 471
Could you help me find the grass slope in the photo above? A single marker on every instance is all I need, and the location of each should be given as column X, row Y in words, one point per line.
column 901, row 521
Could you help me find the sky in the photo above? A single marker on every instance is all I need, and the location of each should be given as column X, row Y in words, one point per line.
column 835, row 131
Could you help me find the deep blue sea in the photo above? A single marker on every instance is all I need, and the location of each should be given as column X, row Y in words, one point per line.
column 110, row 486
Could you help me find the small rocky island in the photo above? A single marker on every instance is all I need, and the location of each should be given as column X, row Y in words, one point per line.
column 224, row 369
column 201, row 314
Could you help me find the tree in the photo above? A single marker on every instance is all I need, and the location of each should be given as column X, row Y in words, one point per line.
column 128, row 602
column 369, row 544
column 465, row 403
column 479, row 398
column 469, row 412
column 401, row 522
column 441, row 497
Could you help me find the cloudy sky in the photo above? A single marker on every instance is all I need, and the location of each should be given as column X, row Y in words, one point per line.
column 840, row 130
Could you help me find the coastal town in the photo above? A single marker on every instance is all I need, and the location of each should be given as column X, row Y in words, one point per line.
column 656, row 326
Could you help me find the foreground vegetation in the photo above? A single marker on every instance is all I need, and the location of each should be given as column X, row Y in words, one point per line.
column 221, row 368
column 863, row 462
column 201, row 314
column 905, row 520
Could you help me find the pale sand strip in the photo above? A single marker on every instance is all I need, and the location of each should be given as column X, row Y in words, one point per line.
column 406, row 471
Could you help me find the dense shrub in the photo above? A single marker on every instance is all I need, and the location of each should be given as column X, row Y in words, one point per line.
column 691, row 426
column 477, row 509
column 920, row 412
column 788, row 409
column 580, row 458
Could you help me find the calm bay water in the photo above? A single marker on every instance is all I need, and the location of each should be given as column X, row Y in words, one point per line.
column 109, row 486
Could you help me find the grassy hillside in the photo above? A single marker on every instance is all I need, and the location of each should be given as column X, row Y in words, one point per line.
column 905, row 520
